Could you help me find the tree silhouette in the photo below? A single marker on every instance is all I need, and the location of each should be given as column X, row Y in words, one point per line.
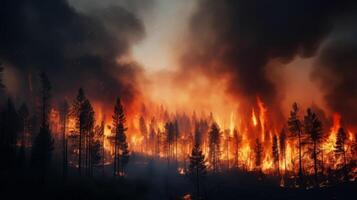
column 44, row 143
column 24, row 116
column 340, row 150
column 313, row 127
column 64, row 112
column 258, row 154
column 237, row 140
column 214, row 146
column 152, row 136
column 176, row 136
column 76, row 111
column 197, row 168
column 98, row 153
column 87, row 122
column 295, row 127
column 282, row 146
column 170, row 139
column 143, row 131
column 121, row 152
column 9, row 130
column 275, row 152
column 354, row 146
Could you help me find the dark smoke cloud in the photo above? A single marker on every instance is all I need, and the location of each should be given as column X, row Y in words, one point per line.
column 74, row 49
column 237, row 39
column 336, row 71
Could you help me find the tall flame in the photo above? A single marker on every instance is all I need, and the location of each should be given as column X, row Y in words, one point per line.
column 262, row 113
column 254, row 118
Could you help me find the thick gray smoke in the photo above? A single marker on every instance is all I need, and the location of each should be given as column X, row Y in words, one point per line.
column 236, row 39
column 73, row 48
column 336, row 70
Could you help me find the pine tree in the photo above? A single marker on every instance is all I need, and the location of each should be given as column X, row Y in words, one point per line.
column 95, row 155
column 98, row 149
column 24, row 115
column 340, row 150
column 258, row 154
column 170, row 138
column 143, row 131
column 295, row 127
column 87, row 122
column 275, row 152
column 80, row 123
column 121, row 152
column 313, row 127
column 44, row 143
column 197, row 168
column 64, row 112
column 214, row 146
column 152, row 136
column 176, row 135
column 354, row 147
column 9, row 132
column 282, row 146
column 237, row 140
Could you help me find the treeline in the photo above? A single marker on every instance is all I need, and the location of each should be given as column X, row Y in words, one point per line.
column 28, row 143
column 198, row 145
column 311, row 163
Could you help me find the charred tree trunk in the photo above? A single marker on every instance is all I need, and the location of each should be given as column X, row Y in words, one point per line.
column 80, row 151
column 315, row 163
column 300, row 160
column 64, row 148
column 115, row 155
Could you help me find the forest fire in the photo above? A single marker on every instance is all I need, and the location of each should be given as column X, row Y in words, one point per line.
column 168, row 135
column 167, row 99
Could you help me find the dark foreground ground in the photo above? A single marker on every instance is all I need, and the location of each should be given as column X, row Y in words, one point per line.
column 152, row 180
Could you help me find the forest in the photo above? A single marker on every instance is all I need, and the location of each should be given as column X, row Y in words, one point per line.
column 178, row 99
column 181, row 156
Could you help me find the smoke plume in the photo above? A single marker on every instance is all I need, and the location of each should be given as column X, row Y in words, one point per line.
column 73, row 48
column 236, row 40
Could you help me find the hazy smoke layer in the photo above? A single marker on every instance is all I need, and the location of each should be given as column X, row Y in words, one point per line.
column 235, row 39
column 74, row 49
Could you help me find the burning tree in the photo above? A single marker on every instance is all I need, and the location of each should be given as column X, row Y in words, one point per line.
column 295, row 127
column 152, row 136
column 340, row 150
column 197, row 168
column 98, row 153
column 170, row 139
column 143, row 131
column 275, row 152
column 237, row 140
column 76, row 111
column 121, row 152
column 258, row 154
column 282, row 146
column 87, row 117
column 313, row 127
column 214, row 146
